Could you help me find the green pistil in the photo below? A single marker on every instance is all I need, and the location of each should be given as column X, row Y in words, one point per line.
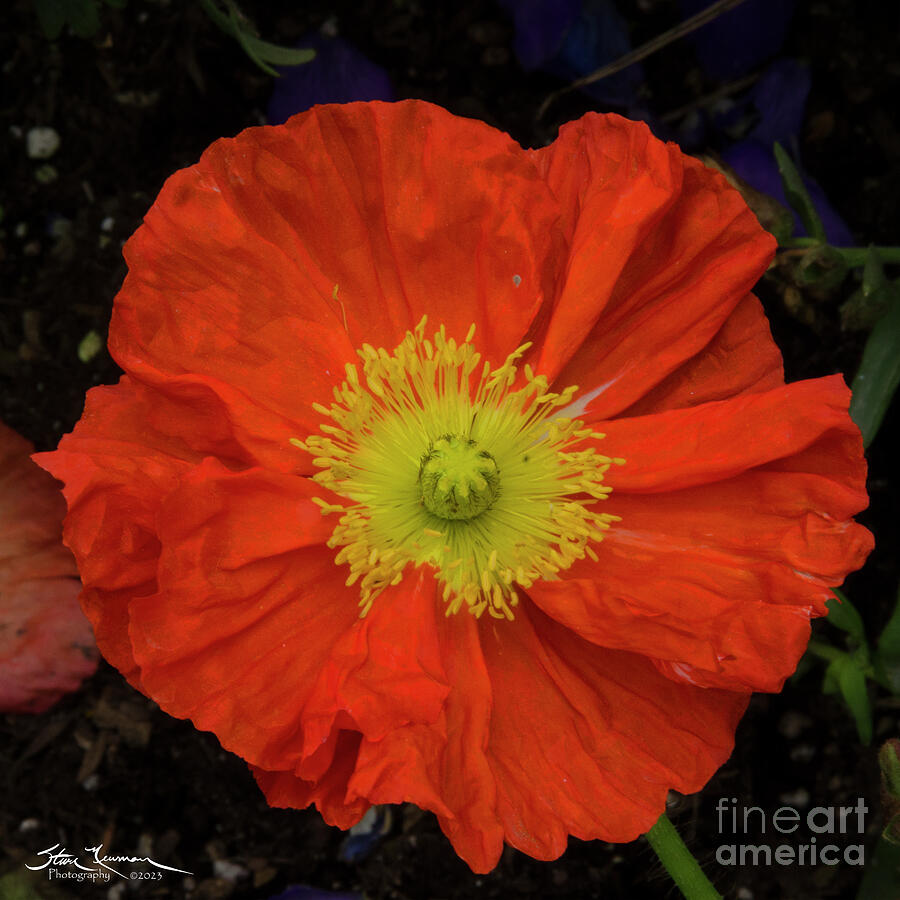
column 456, row 479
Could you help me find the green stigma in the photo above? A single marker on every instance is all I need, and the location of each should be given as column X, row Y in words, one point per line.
column 456, row 479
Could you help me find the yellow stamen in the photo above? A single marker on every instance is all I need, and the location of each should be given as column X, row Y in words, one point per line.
column 444, row 467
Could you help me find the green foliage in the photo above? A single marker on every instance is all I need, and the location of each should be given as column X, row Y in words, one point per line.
column 887, row 656
column 879, row 372
column 231, row 20
column 82, row 16
column 846, row 676
column 798, row 196
column 877, row 302
column 848, row 671
column 844, row 615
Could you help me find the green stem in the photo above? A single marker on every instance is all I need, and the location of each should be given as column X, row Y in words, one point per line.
column 852, row 256
column 825, row 651
column 679, row 862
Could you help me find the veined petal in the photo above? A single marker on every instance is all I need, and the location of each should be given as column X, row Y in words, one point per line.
column 244, row 580
column 443, row 767
column 356, row 197
column 741, row 358
column 542, row 736
column 650, row 231
column 719, row 581
column 717, row 440
column 590, row 747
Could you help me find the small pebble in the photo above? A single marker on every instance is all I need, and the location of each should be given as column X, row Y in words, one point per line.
column 41, row 142
column 45, row 174
column 27, row 825
column 803, row 753
column 228, row 871
column 797, row 798
column 91, row 783
column 793, row 723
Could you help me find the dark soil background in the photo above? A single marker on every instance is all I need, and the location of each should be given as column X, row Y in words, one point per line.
column 144, row 98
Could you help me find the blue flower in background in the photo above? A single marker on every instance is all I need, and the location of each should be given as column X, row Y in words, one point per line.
column 571, row 38
column 303, row 892
column 741, row 39
column 338, row 74
column 779, row 99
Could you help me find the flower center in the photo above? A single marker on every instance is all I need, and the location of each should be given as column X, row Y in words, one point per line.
column 439, row 465
column 457, row 479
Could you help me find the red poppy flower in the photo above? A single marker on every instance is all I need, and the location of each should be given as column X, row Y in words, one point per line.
column 391, row 560
column 46, row 647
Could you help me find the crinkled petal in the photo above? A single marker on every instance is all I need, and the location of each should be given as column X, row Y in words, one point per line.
column 685, row 447
column 442, row 766
column 585, row 742
column 741, row 358
column 284, row 790
column 719, row 580
column 253, row 634
column 403, row 207
column 116, row 466
column 661, row 250
column 545, row 735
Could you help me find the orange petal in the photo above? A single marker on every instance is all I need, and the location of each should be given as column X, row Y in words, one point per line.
column 244, row 581
column 584, row 741
column 741, row 358
column 720, row 580
column 442, row 766
column 542, row 736
column 116, row 466
column 406, row 208
column 717, row 440
column 661, row 250
column 283, row 790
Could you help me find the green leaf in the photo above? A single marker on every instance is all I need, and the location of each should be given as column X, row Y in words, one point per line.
column 879, row 372
column 879, row 877
column 797, row 195
column 277, row 55
column 51, row 16
column 84, row 17
column 822, row 266
column 844, row 615
column 261, row 52
column 889, row 764
column 81, row 15
column 887, row 656
column 851, row 682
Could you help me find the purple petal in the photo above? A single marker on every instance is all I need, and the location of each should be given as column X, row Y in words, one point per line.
column 755, row 163
column 740, row 39
column 540, row 27
column 303, row 892
column 598, row 36
column 338, row 74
